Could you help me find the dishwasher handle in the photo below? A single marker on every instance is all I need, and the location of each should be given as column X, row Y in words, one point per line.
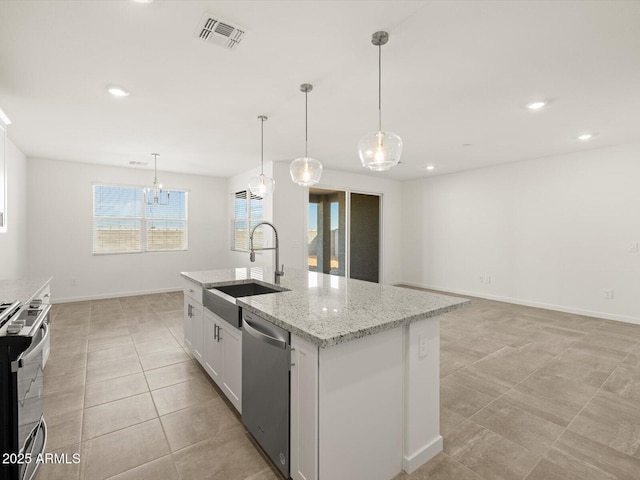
column 254, row 332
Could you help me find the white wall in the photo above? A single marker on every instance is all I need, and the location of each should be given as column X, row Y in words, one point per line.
column 60, row 237
column 13, row 242
column 290, row 211
column 552, row 232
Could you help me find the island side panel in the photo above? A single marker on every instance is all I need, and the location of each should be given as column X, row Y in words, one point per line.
column 360, row 408
column 422, row 439
column 303, row 460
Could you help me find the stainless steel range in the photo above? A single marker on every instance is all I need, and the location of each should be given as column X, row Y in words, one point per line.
column 24, row 341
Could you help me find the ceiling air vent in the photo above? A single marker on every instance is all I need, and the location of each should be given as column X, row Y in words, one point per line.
column 212, row 29
column 137, row 164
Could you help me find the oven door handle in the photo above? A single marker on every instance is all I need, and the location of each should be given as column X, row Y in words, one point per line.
column 35, row 351
column 31, row 440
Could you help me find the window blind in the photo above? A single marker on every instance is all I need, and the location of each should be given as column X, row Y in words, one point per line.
column 247, row 214
column 122, row 223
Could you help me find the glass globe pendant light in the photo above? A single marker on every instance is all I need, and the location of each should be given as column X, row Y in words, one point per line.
column 156, row 195
column 261, row 185
column 381, row 150
column 306, row 171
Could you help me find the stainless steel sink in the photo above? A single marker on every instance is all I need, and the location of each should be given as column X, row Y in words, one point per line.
column 246, row 289
column 222, row 300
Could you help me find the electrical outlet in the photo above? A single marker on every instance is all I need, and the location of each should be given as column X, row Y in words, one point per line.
column 481, row 278
column 423, row 345
column 487, row 279
column 73, row 282
column 608, row 293
column 633, row 248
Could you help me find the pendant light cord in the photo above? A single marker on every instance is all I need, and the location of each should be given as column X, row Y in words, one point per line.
column 155, row 169
column 380, row 88
column 306, row 125
column 262, row 146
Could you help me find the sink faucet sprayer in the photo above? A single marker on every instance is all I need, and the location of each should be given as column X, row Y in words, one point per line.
column 252, row 255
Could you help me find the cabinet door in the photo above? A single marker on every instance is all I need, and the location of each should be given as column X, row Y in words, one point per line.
column 3, row 179
column 188, row 325
column 232, row 361
column 304, row 410
column 212, row 348
column 197, row 316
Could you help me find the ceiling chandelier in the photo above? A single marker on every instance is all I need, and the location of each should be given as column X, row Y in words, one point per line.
column 306, row 171
column 156, row 195
column 380, row 150
column 261, row 185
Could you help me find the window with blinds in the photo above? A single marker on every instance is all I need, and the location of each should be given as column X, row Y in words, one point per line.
column 247, row 213
column 122, row 223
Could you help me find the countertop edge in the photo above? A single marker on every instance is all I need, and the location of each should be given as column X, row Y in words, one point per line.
column 335, row 340
column 365, row 332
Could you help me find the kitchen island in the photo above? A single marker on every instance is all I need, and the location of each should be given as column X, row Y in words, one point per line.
column 365, row 367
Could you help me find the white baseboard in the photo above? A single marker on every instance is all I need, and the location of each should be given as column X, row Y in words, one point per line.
column 116, row 295
column 529, row 303
column 426, row 453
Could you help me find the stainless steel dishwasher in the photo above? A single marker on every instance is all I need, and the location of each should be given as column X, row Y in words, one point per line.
column 266, row 361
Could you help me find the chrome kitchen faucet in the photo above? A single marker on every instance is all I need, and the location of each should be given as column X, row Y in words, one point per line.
column 252, row 255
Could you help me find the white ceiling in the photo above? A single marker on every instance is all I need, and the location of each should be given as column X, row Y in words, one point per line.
column 454, row 73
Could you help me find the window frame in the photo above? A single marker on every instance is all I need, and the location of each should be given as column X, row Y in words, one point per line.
column 248, row 219
column 142, row 218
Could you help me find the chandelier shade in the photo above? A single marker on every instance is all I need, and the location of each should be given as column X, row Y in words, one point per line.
column 380, row 151
column 305, row 171
column 156, row 194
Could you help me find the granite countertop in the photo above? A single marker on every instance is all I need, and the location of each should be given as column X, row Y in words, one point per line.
column 21, row 289
column 327, row 310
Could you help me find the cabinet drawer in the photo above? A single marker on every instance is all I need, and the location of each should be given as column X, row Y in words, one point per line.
column 192, row 291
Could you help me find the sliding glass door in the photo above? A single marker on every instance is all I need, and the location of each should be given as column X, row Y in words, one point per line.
column 343, row 236
column 326, row 232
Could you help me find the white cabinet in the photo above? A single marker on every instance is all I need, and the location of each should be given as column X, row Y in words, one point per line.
column 223, row 356
column 197, row 339
column 3, row 178
column 188, row 325
column 194, row 320
column 212, row 348
column 231, row 340
column 304, row 410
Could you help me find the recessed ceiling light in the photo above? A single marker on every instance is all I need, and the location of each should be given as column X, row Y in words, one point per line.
column 430, row 167
column 586, row 136
column 536, row 105
column 467, row 144
column 117, row 91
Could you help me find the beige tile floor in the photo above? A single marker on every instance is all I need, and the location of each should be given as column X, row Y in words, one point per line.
column 121, row 391
column 525, row 394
